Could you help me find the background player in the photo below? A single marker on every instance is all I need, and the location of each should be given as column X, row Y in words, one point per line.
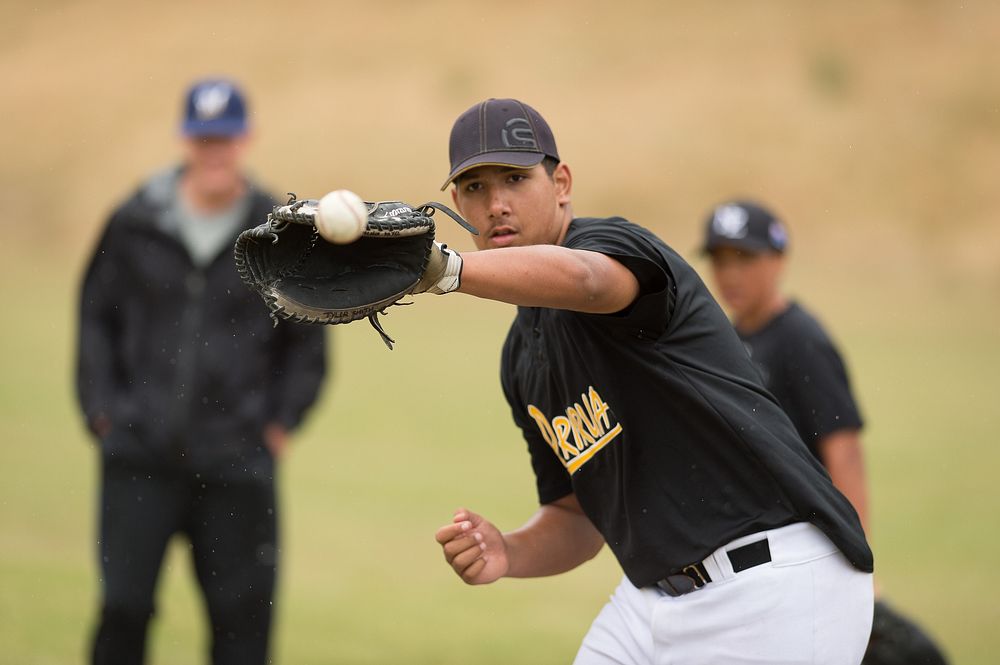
column 647, row 428
column 190, row 390
column 803, row 369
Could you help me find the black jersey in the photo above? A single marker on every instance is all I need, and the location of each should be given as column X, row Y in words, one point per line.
column 656, row 419
column 803, row 369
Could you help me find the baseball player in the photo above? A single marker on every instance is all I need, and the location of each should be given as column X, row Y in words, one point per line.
column 647, row 427
column 803, row 369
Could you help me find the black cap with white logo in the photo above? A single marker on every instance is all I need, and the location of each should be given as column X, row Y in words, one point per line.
column 744, row 225
column 499, row 132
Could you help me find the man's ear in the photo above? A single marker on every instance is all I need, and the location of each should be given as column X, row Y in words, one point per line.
column 563, row 179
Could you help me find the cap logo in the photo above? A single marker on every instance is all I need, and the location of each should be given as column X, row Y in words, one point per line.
column 730, row 221
column 778, row 235
column 211, row 101
column 517, row 133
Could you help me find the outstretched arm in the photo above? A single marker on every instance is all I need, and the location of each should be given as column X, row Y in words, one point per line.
column 557, row 538
column 549, row 276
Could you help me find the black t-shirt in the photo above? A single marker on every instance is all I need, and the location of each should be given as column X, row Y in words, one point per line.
column 803, row 370
column 656, row 419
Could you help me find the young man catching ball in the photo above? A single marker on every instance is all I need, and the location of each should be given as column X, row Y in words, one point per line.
column 648, row 429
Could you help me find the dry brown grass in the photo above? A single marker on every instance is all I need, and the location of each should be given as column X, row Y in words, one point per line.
column 873, row 129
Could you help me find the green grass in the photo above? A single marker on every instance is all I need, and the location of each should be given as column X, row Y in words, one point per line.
column 931, row 400
column 398, row 441
column 402, row 438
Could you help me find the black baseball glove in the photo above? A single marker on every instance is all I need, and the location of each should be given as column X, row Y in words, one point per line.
column 896, row 640
column 304, row 278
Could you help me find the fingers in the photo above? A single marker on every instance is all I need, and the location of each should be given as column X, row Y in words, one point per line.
column 464, row 552
column 464, row 515
column 100, row 425
column 457, row 541
column 452, row 531
column 463, row 520
column 470, row 573
column 464, row 548
column 463, row 557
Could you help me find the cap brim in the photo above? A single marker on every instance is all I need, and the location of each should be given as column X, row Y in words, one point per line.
column 514, row 158
column 751, row 245
column 214, row 128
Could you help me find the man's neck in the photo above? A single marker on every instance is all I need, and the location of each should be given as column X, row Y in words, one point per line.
column 567, row 213
column 753, row 321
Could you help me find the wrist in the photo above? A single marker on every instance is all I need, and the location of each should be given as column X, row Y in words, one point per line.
column 443, row 273
column 451, row 277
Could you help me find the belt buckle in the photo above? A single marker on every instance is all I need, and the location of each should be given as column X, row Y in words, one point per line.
column 692, row 571
column 689, row 579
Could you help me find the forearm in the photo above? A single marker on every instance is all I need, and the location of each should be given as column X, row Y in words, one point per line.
column 549, row 276
column 844, row 460
column 558, row 538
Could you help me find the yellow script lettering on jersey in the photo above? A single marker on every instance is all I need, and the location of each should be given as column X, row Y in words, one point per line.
column 577, row 436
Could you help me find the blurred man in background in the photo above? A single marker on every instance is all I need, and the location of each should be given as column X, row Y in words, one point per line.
column 190, row 390
column 803, row 369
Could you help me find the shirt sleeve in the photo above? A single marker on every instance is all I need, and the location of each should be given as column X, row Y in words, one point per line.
column 623, row 242
column 299, row 370
column 820, row 391
column 99, row 330
column 628, row 244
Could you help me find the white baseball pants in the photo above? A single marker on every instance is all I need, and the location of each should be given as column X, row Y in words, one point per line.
column 808, row 606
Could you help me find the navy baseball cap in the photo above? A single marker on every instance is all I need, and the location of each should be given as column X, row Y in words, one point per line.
column 214, row 107
column 744, row 225
column 499, row 132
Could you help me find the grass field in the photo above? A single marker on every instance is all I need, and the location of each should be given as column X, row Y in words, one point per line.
column 872, row 127
column 364, row 490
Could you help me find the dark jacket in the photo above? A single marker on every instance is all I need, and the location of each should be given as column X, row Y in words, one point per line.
column 184, row 361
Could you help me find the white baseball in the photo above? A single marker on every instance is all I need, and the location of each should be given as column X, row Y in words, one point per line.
column 341, row 216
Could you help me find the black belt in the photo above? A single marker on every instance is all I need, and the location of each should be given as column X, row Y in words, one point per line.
column 695, row 576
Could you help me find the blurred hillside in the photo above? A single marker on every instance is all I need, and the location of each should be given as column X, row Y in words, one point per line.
column 871, row 126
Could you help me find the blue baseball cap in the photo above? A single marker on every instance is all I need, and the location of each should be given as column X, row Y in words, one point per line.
column 214, row 107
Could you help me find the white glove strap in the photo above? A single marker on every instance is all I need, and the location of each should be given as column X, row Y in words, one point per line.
column 452, row 277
